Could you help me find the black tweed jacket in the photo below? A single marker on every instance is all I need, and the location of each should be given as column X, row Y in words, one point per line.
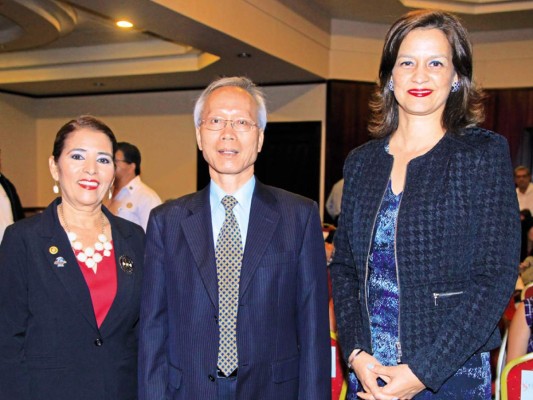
column 457, row 249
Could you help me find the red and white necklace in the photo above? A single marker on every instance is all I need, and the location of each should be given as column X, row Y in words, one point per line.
column 90, row 256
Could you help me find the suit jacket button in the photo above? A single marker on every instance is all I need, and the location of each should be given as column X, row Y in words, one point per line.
column 211, row 378
column 98, row 342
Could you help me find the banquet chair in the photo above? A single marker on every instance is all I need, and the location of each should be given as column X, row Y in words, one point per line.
column 517, row 379
column 502, row 355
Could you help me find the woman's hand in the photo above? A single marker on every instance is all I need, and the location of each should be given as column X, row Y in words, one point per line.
column 401, row 383
column 367, row 377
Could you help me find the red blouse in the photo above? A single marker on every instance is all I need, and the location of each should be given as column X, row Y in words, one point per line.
column 102, row 285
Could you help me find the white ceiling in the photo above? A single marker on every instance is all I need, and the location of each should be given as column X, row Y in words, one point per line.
column 52, row 48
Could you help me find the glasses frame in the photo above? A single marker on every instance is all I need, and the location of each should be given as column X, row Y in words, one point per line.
column 253, row 124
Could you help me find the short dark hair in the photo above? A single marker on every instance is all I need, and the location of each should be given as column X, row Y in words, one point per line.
column 83, row 121
column 522, row 168
column 463, row 108
column 131, row 155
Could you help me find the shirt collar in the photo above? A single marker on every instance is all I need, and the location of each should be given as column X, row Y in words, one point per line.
column 243, row 194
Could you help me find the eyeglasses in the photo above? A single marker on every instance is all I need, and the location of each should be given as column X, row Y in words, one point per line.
column 124, row 161
column 238, row 125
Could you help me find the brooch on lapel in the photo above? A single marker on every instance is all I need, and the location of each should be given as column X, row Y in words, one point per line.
column 126, row 264
column 60, row 262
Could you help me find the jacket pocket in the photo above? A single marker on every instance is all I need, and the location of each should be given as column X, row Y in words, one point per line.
column 447, row 299
column 174, row 376
column 286, row 370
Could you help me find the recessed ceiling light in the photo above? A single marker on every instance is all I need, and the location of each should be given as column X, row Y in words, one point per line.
column 124, row 24
column 98, row 84
column 244, row 55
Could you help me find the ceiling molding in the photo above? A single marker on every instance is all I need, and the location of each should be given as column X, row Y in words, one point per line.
column 27, row 24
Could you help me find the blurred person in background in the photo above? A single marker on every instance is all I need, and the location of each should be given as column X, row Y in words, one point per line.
column 10, row 206
column 132, row 199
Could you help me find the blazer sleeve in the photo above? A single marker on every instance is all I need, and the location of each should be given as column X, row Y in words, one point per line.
column 312, row 314
column 153, row 362
column 493, row 275
column 14, row 314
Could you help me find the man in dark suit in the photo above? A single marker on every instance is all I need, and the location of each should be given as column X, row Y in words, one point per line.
column 235, row 301
column 10, row 206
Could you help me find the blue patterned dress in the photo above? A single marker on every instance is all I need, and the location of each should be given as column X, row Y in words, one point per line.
column 472, row 381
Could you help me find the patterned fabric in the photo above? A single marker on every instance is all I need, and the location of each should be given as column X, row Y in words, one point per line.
column 458, row 231
column 472, row 381
column 383, row 283
column 528, row 308
column 228, row 254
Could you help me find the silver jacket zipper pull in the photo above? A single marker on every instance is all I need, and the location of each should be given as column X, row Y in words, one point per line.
column 398, row 352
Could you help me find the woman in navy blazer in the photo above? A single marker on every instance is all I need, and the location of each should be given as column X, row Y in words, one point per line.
column 69, row 283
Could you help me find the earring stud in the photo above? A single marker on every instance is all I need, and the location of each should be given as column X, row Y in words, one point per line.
column 455, row 86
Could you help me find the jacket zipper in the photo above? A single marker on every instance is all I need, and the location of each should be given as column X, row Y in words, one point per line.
column 398, row 343
column 368, row 256
column 436, row 296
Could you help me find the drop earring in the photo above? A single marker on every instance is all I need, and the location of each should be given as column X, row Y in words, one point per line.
column 455, row 86
column 55, row 188
column 110, row 194
column 391, row 85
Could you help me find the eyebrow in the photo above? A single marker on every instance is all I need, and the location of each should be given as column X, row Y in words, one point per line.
column 105, row 153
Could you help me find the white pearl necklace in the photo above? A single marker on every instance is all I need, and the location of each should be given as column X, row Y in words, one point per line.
column 91, row 256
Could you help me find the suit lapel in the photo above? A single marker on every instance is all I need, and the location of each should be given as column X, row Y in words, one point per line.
column 198, row 231
column 125, row 282
column 261, row 226
column 64, row 265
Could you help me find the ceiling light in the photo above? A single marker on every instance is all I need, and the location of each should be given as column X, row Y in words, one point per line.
column 244, row 55
column 124, row 24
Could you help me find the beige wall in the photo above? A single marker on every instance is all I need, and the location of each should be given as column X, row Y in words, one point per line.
column 160, row 124
column 19, row 148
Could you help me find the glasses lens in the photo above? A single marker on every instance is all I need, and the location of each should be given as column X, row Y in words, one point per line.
column 215, row 124
column 242, row 125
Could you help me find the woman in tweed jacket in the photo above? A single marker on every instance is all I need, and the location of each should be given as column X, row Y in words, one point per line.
column 429, row 236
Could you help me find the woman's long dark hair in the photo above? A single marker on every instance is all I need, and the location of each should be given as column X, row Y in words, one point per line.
column 463, row 108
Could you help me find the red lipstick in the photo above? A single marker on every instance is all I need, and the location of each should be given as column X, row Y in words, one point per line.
column 89, row 184
column 420, row 92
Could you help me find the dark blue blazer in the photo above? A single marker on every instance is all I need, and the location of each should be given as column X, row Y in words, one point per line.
column 50, row 345
column 457, row 247
column 282, row 324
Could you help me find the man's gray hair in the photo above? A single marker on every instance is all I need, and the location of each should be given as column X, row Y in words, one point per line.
column 235, row 81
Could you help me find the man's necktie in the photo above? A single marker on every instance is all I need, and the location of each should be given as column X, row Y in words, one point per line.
column 228, row 255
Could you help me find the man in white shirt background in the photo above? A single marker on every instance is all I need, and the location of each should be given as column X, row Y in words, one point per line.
column 10, row 207
column 132, row 199
column 524, row 187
